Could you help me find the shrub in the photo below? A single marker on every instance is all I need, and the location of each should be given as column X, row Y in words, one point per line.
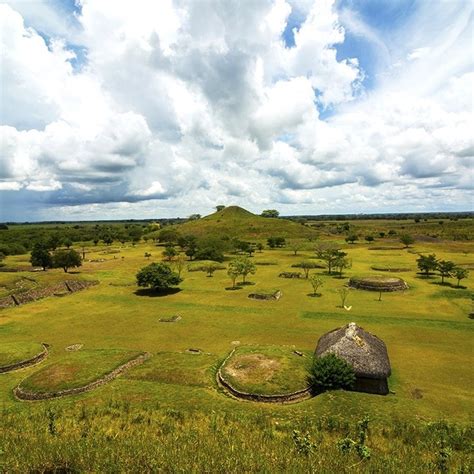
column 330, row 372
column 158, row 276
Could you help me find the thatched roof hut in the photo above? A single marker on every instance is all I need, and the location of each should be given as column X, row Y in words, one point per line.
column 365, row 352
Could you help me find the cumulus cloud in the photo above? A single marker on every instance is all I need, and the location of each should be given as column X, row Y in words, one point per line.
column 179, row 104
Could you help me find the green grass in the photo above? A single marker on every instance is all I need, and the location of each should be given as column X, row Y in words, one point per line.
column 13, row 352
column 76, row 369
column 426, row 329
column 267, row 370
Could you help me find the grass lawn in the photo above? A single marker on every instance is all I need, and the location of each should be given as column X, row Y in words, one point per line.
column 14, row 352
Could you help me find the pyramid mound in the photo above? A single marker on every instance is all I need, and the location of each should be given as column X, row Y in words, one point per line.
column 232, row 212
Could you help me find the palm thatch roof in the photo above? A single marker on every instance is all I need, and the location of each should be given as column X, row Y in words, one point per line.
column 365, row 352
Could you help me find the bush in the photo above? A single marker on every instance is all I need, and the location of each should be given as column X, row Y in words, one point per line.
column 330, row 372
column 157, row 276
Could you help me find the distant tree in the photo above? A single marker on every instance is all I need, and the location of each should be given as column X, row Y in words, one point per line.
column 351, row 238
column 169, row 252
column 179, row 264
column 188, row 243
column 40, row 256
column 243, row 266
column 147, row 255
column 2, row 257
column 445, row 269
column 157, row 276
column 341, row 263
column 392, row 232
column 460, row 274
column 220, row 207
column 168, row 236
column 316, row 283
column 381, row 235
column 67, row 242
column 260, row 247
column 427, row 263
column 295, row 246
column 66, row 259
column 209, row 252
column 135, row 234
column 270, row 213
column 369, row 238
column 407, row 240
column 306, row 266
column 276, row 242
column 329, row 253
column 194, row 217
column 210, row 268
column 108, row 240
column 54, row 241
column 3, row 226
column 96, row 240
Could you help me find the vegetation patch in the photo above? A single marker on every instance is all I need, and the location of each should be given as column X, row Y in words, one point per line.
column 256, row 372
column 378, row 283
column 290, row 275
column 389, row 268
column 17, row 355
column 78, row 372
column 273, row 295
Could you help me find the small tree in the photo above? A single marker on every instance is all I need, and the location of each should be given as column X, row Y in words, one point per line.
column 233, row 274
column 243, row 266
column 220, row 207
column 210, row 268
column 343, row 294
column 407, row 240
column 67, row 242
column 445, row 269
column 316, row 283
column 369, row 238
column 157, row 276
column 295, row 246
column 260, row 247
column 169, row 253
column 306, row 266
column 147, row 255
column 179, row 263
column 329, row 254
column 427, row 263
column 108, row 240
column 66, row 259
column 460, row 274
column 330, row 372
column 40, row 256
column 341, row 263
column 351, row 238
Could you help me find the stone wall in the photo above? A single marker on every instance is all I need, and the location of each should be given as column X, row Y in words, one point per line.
column 64, row 287
column 28, row 362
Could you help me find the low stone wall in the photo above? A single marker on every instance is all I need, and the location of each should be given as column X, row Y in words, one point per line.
column 292, row 397
column 28, row 362
column 64, row 287
column 266, row 296
column 385, row 286
column 22, row 394
column 290, row 275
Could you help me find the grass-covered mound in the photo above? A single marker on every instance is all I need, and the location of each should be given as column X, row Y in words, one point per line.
column 378, row 283
column 76, row 372
column 12, row 353
column 266, row 370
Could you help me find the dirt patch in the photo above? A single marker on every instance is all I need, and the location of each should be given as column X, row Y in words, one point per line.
column 252, row 366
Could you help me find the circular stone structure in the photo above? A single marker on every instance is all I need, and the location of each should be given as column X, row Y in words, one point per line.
column 265, row 374
column 378, row 283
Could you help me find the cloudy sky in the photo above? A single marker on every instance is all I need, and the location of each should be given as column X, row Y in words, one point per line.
column 141, row 108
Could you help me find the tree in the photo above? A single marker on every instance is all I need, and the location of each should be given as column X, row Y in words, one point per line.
column 276, row 242
column 66, row 259
column 316, row 283
column 67, row 242
column 460, row 273
column 329, row 253
column 108, row 240
column 369, row 238
column 209, row 252
column 147, row 255
column 210, row 268
column 445, row 269
column 407, row 240
column 2, row 257
column 135, row 233
column 189, row 244
column 40, row 256
column 427, row 263
column 351, row 238
column 220, row 207
column 243, row 266
column 233, row 273
column 330, row 372
column 295, row 246
column 343, row 294
column 168, row 236
column 260, row 247
column 179, row 263
column 96, row 240
column 306, row 266
column 194, row 217
column 341, row 263
column 270, row 213
column 54, row 241
column 157, row 276
column 169, row 252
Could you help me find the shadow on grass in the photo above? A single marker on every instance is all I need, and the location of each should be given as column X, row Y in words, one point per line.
column 314, row 295
column 245, row 283
column 151, row 293
column 233, row 288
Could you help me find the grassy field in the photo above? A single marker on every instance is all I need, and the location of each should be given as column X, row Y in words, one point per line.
column 171, row 406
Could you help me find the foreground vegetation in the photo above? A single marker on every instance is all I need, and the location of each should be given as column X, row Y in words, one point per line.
column 169, row 414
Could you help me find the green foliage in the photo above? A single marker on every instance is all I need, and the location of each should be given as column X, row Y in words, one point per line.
column 351, row 238
column 66, row 259
column 40, row 256
column 330, row 254
column 306, row 266
column 168, row 236
column 347, row 445
column 407, row 240
column 316, row 283
column 330, row 372
column 427, row 263
column 169, row 252
column 445, row 269
column 304, row 444
column 242, row 266
column 157, row 276
column 460, row 274
column 276, row 242
column 270, row 213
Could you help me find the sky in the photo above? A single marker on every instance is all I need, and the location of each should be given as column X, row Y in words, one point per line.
column 114, row 109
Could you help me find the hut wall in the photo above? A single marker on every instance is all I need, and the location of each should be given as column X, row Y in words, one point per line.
column 376, row 386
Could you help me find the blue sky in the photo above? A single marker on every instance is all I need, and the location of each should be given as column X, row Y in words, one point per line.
column 143, row 109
